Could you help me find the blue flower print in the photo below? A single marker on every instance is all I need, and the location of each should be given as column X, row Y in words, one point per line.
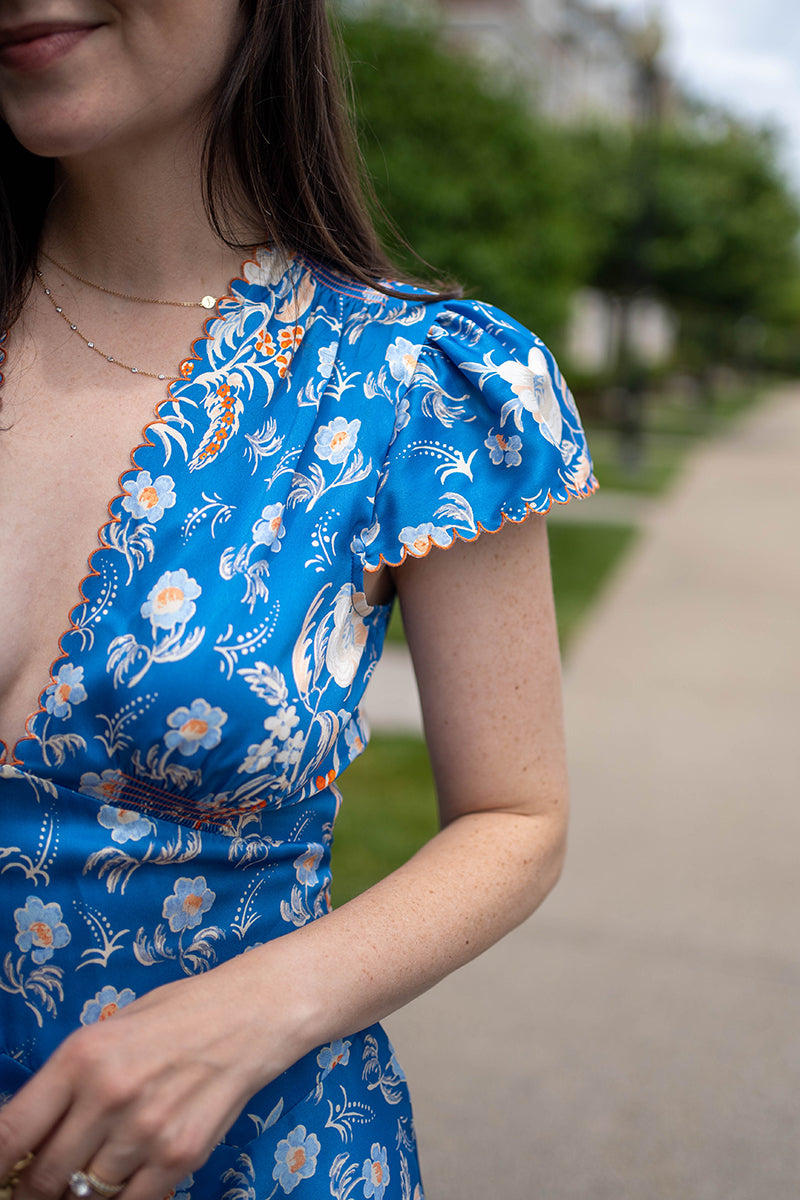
column 402, row 358
column 182, row 1190
column 67, row 690
column 402, row 414
column 190, row 899
column 290, row 752
column 41, row 929
column 354, row 740
column 107, row 786
column 259, row 756
column 270, row 527
column 199, row 726
column 418, row 539
column 107, row 1001
column 504, row 450
column 295, row 1158
column 333, row 442
column 171, row 601
column 125, row 825
column 306, row 864
column 335, row 1055
column 149, row 498
column 375, row 1173
column 327, row 357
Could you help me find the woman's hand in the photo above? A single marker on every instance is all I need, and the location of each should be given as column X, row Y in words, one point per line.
column 145, row 1096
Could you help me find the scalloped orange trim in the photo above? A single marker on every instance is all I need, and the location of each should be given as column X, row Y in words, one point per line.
column 9, row 757
column 530, row 509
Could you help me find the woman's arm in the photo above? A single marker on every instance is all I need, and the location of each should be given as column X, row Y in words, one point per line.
column 148, row 1094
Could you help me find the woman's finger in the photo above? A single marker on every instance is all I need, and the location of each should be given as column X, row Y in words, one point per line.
column 74, row 1142
column 27, row 1119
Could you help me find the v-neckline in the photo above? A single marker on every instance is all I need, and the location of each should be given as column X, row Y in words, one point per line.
column 10, row 753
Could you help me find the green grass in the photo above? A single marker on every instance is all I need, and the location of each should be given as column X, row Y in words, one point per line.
column 582, row 558
column 389, row 810
column 389, row 807
column 662, row 458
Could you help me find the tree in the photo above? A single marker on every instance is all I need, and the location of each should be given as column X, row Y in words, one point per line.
column 701, row 217
column 477, row 186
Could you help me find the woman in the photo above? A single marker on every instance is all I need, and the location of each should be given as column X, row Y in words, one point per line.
column 170, row 802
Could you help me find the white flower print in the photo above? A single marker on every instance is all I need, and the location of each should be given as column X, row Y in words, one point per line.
column 533, row 387
column 148, row 497
column 348, row 636
column 171, row 601
column 580, row 471
column 282, row 722
column 259, row 756
column 194, row 728
column 334, row 441
column 290, row 751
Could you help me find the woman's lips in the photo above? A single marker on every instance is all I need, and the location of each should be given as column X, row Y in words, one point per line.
column 40, row 50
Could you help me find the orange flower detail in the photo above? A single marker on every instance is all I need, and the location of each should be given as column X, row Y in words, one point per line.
column 501, row 441
column 296, row 1160
column 284, row 362
column 290, row 339
column 265, row 343
column 107, row 1011
column 148, row 497
column 63, row 692
column 322, row 781
column 42, row 932
column 194, row 728
column 186, row 369
column 192, row 903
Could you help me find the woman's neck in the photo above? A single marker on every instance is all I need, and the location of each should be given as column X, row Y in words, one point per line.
column 137, row 222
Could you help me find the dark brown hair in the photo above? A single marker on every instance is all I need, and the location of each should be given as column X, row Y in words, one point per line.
column 280, row 151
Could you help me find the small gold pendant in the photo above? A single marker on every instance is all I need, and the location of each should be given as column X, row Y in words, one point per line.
column 208, row 301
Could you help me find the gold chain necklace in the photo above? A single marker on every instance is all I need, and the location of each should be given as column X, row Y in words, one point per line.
column 206, row 302
column 88, row 342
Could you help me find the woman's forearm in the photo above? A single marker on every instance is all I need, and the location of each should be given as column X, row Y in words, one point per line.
column 472, row 883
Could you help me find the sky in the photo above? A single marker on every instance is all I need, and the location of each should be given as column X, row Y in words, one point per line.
column 744, row 54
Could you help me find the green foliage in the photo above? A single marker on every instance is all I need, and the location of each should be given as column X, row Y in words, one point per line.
column 523, row 212
column 471, row 181
column 701, row 217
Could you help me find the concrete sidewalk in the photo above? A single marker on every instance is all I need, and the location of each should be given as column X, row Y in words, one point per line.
column 639, row 1039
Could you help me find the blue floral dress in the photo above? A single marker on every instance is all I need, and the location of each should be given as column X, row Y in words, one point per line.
column 174, row 801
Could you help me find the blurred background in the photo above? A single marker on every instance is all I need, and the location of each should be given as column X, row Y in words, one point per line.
column 626, row 181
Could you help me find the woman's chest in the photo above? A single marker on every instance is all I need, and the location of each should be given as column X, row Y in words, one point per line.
column 62, row 451
column 220, row 645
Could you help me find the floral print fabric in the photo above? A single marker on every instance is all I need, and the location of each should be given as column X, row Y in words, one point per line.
column 175, row 799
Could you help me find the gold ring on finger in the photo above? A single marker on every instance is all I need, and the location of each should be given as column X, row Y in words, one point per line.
column 83, row 1183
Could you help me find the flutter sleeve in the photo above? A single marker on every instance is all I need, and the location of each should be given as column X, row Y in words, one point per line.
column 486, row 431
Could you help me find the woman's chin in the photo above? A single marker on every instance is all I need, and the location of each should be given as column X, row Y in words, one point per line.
column 52, row 135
